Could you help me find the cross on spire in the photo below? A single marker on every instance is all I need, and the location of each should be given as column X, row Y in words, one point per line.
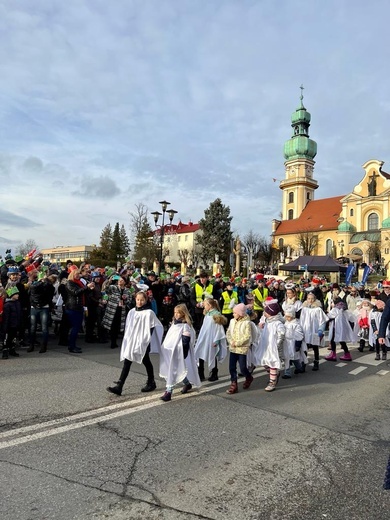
column 301, row 97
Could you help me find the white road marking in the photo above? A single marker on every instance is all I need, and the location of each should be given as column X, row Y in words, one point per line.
column 382, row 372
column 369, row 359
column 357, row 370
column 54, row 427
column 341, row 364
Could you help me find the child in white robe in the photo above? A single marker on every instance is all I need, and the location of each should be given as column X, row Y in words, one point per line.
column 340, row 330
column 293, row 344
column 271, row 340
column 177, row 360
column 143, row 334
column 211, row 344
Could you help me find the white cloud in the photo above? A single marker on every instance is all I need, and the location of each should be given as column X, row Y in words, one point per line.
column 106, row 104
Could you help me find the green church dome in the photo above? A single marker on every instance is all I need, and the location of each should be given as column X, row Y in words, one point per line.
column 386, row 223
column 346, row 226
column 300, row 146
column 301, row 114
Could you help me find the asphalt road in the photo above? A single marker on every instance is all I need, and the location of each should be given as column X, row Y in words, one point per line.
column 316, row 448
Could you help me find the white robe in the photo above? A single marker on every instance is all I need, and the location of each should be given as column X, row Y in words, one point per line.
column 273, row 328
column 173, row 367
column 312, row 319
column 341, row 327
column 297, row 305
column 372, row 337
column 255, row 353
column 209, row 334
column 294, row 332
column 137, row 335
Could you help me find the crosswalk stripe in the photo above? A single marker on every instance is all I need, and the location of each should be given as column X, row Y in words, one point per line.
column 357, row 370
column 341, row 364
column 382, row 372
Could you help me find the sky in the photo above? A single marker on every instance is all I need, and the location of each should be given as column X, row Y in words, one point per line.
column 106, row 105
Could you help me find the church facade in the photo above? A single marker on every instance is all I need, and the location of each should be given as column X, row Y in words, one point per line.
column 353, row 226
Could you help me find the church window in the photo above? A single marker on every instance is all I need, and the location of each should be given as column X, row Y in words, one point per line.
column 291, row 197
column 281, row 243
column 329, row 246
column 290, row 214
column 308, row 195
column 373, row 221
column 351, row 212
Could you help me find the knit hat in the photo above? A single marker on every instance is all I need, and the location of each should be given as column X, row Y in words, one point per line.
column 12, row 290
column 386, row 283
column 290, row 311
column 271, row 307
column 316, row 280
column 13, row 270
column 240, row 309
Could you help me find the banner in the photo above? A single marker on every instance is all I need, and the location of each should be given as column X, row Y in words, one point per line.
column 349, row 273
column 366, row 272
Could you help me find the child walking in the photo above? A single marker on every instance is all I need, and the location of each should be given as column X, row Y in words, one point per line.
column 293, row 349
column 211, row 343
column 376, row 316
column 239, row 337
column 340, row 330
column 143, row 334
column 177, row 360
column 272, row 340
column 363, row 321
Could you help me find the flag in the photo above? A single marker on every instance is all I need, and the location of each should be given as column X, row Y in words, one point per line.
column 366, row 272
column 349, row 273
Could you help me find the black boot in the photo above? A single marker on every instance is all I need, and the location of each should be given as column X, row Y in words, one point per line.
column 361, row 345
column 201, row 370
column 213, row 375
column 117, row 389
column 5, row 353
column 12, row 352
column 315, row 366
column 150, row 386
column 43, row 349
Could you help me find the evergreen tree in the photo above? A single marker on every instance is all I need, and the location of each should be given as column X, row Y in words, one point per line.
column 125, row 242
column 216, row 236
column 116, row 244
column 102, row 253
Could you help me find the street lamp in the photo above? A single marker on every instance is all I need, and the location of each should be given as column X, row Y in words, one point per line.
column 156, row 215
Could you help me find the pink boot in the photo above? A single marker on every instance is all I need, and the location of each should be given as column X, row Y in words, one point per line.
column 346, row 357
column 331, row 357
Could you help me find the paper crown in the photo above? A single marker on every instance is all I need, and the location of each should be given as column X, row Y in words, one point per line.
column 12, row 290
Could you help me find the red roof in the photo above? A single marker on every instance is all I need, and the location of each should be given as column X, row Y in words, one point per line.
column 179, row 228
column 318, row 215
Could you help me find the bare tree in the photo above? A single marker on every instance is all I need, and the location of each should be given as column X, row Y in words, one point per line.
column 143, row 238
column 24, row 249
column 307, row 242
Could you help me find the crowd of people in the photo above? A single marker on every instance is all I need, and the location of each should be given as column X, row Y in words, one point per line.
column 191, row 322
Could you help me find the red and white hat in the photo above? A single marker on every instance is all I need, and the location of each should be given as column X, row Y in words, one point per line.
column 386, row 283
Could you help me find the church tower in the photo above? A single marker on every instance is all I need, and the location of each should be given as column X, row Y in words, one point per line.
column 299, row 151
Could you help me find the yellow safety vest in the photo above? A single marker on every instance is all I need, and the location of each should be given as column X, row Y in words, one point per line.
column 226, row 302
column 199, row 291
column 259, row 298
